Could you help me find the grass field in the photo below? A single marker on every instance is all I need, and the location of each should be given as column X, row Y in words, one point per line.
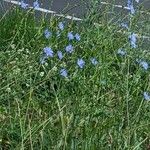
column 95, row 96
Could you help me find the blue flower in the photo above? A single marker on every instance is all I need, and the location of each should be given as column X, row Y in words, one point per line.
column 47, row 33
column 121, row 52
column 61, row 26
column 48, row 52
column 129, row 3
column 24, row 5
column 130, row 7
column 60, row 55
column 69, row 48
column 63, row 72
column 77, row 36
column 146, row 96
column 80, row 63
column 144, row 64
column 36, row 4
column 94, row 61
column 133, row 39
column 124, row 25
column 70, row 36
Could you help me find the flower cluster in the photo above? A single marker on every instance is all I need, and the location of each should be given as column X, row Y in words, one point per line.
column 133, row 43
column 132, row 36
column 133, row 40
column 48, row 52
column 25, row 5
column 36, row 4
column 143, row 64
column 47, row 33
column 130, row 6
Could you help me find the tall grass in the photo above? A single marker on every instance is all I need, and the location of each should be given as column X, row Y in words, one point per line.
column 97, row 107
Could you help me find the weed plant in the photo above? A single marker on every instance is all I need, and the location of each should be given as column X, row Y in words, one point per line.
column 73, row 85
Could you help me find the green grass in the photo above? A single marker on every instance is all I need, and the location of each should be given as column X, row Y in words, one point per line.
column 98, row 107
